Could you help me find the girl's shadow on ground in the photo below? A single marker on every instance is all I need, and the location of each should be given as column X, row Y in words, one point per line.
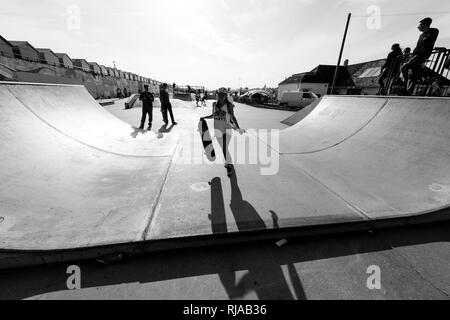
column 264, row 276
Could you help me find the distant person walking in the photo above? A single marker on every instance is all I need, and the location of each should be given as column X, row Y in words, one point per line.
column 392, row 61
column 204, row 98
column 421, row 53
column 224, row 122
column 166, row 106
column 147, row 99
column 197, row 98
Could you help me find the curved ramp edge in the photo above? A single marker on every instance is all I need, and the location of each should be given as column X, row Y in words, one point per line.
column 72, row 111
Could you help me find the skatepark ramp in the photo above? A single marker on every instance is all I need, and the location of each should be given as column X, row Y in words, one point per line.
column 71, row 173
column 386, row 157
column 75, row 178
column 301, row 114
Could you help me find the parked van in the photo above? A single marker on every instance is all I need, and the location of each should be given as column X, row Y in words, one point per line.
column 297, row 99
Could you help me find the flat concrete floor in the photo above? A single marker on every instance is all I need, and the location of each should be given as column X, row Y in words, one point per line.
column 414, row 264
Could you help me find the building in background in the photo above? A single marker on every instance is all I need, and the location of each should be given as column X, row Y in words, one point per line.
column 111, row 72
column 48, row 56
column 81, row 64
column 6, row 48
column 25, row 51
column 64, row 60
column 365, row 76
column 319, row 80
column 104, row 70
column 95, row 68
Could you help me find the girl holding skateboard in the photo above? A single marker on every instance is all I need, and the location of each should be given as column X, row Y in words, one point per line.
column 224, row 122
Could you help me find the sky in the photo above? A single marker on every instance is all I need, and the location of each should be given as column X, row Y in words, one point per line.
column 215, row 43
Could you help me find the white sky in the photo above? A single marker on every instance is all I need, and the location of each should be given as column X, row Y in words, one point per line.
column 217, row 43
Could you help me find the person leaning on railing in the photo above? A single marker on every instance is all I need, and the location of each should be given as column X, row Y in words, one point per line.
column 391, row 61
column 421, row 53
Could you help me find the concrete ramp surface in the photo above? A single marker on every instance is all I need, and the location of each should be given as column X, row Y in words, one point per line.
column 73, row 176
column 395, row 162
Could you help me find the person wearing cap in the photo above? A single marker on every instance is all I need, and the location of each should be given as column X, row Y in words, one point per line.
column 147, row 99
column 166, row 106
column 224, row 121
column 391, row 61
column 421, row 53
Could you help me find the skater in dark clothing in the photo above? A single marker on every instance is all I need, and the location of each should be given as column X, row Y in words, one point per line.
column 147, row 99
column 197, row 98
column 204, row 97
column 166, row 106
column 421, row 53
column 391, row 62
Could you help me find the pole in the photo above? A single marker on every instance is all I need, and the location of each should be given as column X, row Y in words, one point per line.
column 340, row 54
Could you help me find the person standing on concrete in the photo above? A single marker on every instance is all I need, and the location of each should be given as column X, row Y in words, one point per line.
column 224, row 122
column 421, row 53
column 197, row 98
column 204, row 97
column 147, row 99
column 166, row 106
column 391, row 62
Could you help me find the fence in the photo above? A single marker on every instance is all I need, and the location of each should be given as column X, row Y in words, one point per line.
column 432, row 78
column 188, row 89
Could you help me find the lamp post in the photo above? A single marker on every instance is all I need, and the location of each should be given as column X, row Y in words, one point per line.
column 340, row 54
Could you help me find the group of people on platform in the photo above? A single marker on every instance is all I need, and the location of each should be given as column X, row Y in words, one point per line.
column 409, row 65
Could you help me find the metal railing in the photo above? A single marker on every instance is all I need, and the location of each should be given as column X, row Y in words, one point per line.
column 188, row 89
column 432, row 78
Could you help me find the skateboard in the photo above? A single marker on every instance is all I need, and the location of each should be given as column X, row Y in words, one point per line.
column 207, row 141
